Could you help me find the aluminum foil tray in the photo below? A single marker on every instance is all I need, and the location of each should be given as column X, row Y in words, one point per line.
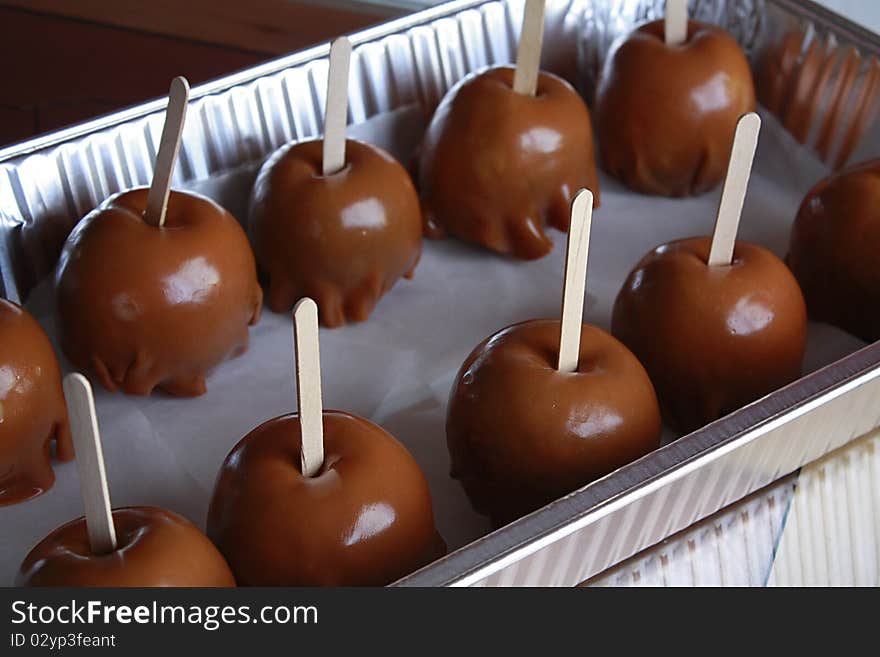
column 817, row 73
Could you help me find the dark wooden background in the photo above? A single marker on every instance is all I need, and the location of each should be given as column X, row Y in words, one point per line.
column 65, row 61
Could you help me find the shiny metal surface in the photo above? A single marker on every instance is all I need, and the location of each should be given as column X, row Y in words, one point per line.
column 48, row 183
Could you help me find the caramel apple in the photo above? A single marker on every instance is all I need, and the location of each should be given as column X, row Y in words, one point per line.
column 834, row 249
column 665, row 114
column 333, row 219
column 544, row 407
column 497, row 166
column 132, row 546
column 155, row 548
column 364, row 519
column 32, row 410
column 343, row 239
column 321, row 498
column 717, row 323
column 712, row 339
column 156, row 287
column 144, row 306
column 522, row 434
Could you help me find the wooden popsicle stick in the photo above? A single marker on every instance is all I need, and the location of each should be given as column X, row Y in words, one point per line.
column 169, row 146
column 336, row 110
column 733, row 194
column 90, row 463
column 575, row 281
column 308, row 385
column 528, row 56
column 675, row 23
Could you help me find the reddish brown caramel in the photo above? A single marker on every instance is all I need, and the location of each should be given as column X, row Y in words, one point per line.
column 344, row 239
column 665, row 116
column 364, row 519
column 497, row 167
column 148, row 307
column 154, row 548
column 712, row 339
column 835, row 242
column 32, row 408
column 522, row 434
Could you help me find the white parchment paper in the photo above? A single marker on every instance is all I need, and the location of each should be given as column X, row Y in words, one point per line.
column 397, row 368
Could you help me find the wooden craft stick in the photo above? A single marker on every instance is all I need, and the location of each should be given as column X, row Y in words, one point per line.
column 675, row 24
column 90, row 463
column 739, row 168
column 336, row 111
column 575, row 281
column 169, row 146
column 528, row 56
column 308, row 385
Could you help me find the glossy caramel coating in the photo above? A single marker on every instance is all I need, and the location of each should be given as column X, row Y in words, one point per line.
column 344, row 239
column 155, row 547
column 521, row 434
column 497, row 167
column 666, row 116
column 364, row 520
column 712, row 339
column 147, row 307
column 835, row 250
column 32, row 408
